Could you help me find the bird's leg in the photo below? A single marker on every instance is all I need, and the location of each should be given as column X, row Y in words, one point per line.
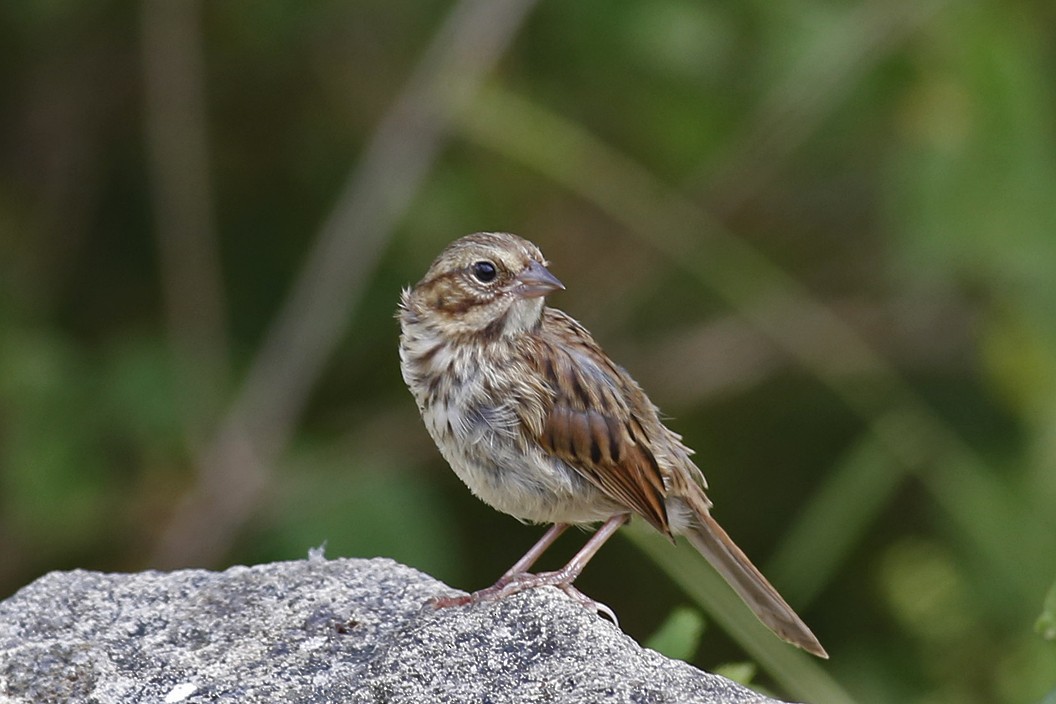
column 567, row 574
column 563, row 578
column 520, row 568
column 530, row 557
column 517, row 579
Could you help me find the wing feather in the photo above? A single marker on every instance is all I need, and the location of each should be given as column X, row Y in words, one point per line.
column 598, row 419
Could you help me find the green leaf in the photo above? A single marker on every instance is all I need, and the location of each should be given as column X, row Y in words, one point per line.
column 740, row 672
column 679, row 635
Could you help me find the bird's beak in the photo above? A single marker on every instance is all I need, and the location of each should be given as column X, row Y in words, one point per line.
column 536, row 281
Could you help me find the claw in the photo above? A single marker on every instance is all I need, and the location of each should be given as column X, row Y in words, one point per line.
column 588, row 603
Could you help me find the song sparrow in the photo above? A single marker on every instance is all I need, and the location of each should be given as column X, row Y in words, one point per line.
column 539, row 423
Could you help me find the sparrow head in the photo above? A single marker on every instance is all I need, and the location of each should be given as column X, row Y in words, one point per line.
column 490, row 283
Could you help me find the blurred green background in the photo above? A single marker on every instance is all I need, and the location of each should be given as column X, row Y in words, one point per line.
column 822, row 235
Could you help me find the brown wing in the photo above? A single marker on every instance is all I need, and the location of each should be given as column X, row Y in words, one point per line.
column 600, row 419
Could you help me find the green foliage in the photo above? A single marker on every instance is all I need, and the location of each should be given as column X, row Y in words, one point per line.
column 742, row 672
column 679, row 635
column 780, row 217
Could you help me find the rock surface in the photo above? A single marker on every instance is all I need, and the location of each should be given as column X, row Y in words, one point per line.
column 316, row 631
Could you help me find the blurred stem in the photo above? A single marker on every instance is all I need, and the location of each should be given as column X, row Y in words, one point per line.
column 1046, row 624
column 319, row 308
column 727, row 355
column 178, row 161
column 852, row 497
column 798, row 103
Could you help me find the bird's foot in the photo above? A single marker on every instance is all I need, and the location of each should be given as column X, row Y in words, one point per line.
column 588, row 603
column 511, row 584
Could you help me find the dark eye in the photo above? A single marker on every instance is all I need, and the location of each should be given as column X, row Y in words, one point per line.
column 484, row 271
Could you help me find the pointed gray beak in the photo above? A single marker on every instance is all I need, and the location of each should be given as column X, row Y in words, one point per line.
column 536, row 281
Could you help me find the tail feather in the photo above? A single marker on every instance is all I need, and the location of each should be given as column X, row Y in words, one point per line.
column 712, row 542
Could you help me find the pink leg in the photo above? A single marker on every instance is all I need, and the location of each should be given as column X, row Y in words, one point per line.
column 517, row 579
column 568, row 573
column 530, row 557
column 520, row 569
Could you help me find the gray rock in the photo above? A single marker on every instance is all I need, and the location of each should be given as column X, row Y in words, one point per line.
column 319, row 630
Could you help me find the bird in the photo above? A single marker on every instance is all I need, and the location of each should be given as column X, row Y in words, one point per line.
column 539, row 423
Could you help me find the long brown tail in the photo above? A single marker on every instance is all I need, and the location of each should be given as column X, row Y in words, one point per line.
column 713, row 543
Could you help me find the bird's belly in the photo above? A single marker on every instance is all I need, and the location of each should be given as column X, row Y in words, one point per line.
column 484, row 447
column 543, row 492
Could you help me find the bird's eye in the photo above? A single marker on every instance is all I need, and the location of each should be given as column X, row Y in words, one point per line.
column 484, row 271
